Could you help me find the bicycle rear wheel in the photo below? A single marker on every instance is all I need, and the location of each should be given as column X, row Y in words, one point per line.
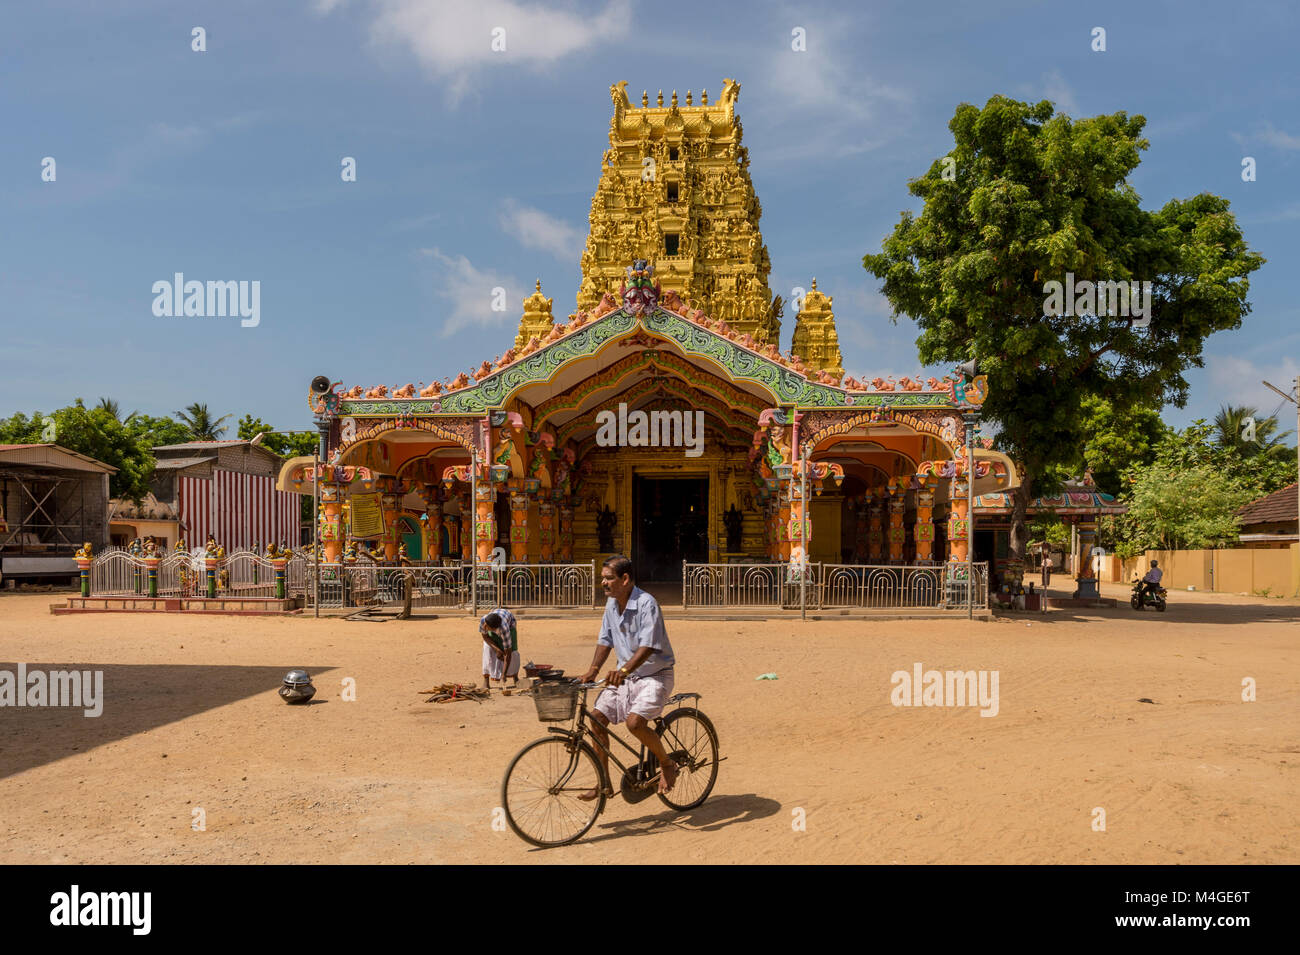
column 541, row 788
column 690, row 741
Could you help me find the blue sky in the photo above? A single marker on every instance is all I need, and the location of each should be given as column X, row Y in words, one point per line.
column 476, row 169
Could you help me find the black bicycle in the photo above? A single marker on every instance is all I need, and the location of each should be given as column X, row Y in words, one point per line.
column 544, row 783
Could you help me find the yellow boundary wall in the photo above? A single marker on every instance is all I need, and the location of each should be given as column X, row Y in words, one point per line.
column 1236, row 570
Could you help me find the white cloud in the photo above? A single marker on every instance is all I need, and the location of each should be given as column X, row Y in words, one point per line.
column 536, row 230
column 1238, row 381
column 1276, row 137
column 822, row 100
column 453, row 38
column 469, row 292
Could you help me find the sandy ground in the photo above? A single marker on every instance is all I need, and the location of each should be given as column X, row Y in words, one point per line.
column 192, row 720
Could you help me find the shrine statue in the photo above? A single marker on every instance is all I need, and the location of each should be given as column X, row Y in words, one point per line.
column 605, row 521
column 733, row 520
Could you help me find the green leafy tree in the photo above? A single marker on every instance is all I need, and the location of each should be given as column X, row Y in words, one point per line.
column 94, row 432
column 154, row 432
column 1172, row 509
column 112, row 407
column 285, row 445
column 1050, row 528
column 1115, row 441
column 1189, row 491
column 1244, row 430
column 201, row 425
column 1027, row 196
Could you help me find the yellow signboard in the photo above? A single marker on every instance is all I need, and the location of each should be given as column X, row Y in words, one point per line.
column 367, row 516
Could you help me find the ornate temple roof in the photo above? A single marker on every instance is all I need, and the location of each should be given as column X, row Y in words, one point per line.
column 1080, row 498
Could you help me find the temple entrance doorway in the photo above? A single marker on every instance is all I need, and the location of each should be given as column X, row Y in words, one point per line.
column 670, row 522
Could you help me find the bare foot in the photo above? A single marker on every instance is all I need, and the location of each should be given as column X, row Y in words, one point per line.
column 668, row 776
column 589, row 795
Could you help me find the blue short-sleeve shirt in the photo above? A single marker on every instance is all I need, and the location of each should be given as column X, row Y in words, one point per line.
column 639, row 625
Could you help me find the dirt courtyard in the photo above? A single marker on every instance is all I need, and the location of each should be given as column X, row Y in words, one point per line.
column 192, row 721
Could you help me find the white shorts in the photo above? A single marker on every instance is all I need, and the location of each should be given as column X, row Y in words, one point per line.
column 645, row 696
column 495, row 667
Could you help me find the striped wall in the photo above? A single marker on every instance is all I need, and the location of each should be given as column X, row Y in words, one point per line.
column 239, row 510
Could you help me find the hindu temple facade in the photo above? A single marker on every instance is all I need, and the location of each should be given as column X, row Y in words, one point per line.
column 659, row 419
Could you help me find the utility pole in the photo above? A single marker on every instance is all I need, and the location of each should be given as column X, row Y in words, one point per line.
column 1295, row 401
column 969, row 419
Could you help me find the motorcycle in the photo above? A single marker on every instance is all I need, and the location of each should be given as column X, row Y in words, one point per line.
column 1156, row 599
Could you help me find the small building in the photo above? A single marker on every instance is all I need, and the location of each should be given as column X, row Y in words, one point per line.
column 1270, row 521
column 52, row 500
column 223, row 488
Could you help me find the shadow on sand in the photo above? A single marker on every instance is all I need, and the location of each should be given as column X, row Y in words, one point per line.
column 718, row 812
column 136, row 699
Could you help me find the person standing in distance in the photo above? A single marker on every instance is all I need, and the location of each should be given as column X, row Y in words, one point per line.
column 639, row 688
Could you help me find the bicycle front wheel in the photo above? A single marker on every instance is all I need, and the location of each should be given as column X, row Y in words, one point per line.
column 541, row 789
column 692, row 743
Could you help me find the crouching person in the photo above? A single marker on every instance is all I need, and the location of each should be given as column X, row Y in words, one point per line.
column 500, row 647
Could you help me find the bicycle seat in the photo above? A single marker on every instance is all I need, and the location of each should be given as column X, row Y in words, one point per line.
column 678, row 697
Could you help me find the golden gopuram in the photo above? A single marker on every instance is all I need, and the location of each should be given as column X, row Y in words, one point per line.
column 659, row 420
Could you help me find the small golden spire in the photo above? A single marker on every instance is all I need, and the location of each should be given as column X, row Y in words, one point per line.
column 704, row 97
column 660, row 101
column 674, row 101
column 645, row 98
column 814, row 284
column 539, row 284
column 688, row 97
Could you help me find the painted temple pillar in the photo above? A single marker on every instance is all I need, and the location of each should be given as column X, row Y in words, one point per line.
column 798, row 527
column 485, row 522
column 545, row 532
column 566, row 533
column 897, row 507
column 331, row 521
column 875, row 527
column 518, row 523
column 783, row 525
column 451, row 523
column 767, row 530
column 390, row 501
column 1086, row 580
column 924, row 533
column 958, row 522
column 466, row 526
column 432, row 498
column 860, row 530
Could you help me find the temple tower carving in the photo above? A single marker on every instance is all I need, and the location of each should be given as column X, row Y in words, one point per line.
column 675, row 190
column 815, row 339
column 536, row 320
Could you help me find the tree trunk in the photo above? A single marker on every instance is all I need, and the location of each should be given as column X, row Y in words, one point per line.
column 1020, row 499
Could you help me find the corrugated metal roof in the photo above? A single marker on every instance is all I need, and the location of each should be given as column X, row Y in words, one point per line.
column 176, row 464
column 52, row 456
column 1279, row 506
column 196, row 445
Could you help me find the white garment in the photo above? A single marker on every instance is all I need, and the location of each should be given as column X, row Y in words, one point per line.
column 495, row 667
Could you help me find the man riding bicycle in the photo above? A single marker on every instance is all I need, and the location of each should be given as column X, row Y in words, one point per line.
column 638, row 690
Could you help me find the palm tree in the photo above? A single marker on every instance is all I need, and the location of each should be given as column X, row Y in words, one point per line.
column 112, row 407
column 202, row 427
column 1242, row 429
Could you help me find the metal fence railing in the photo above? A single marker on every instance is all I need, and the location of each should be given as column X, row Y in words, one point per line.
column 835, row 586
column 242, row 573
column 453, row 586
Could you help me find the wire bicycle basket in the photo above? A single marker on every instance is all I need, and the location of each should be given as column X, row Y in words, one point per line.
column 556, row 700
